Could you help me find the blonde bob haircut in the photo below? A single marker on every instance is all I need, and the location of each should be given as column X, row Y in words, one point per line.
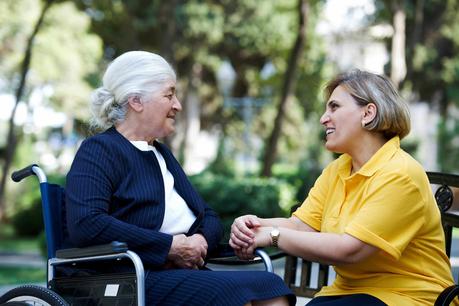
column 392, row 116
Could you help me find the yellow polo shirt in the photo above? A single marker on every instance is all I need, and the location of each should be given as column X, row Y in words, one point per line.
column 389, row 204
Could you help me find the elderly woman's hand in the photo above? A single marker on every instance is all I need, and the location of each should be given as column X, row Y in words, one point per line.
column 200, row 243
column 242, row 231
column 188, row 252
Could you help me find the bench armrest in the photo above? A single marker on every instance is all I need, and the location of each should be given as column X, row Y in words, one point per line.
column 224, row 255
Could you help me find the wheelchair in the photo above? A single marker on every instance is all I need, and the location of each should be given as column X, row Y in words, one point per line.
column 126, row 288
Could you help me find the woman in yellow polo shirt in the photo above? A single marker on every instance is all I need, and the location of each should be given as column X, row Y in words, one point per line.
column 371, row 214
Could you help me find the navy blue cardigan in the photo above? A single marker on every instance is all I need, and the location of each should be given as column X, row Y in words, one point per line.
column 116, row 192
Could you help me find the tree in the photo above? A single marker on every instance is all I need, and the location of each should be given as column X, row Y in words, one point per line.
column 249, row 33
column 197, row 37
column 287, row 89
column 12, row 137
column 60, row 55
column 432, row 31
column 398, row 62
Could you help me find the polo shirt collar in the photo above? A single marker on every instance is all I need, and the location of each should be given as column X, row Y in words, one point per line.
column 376, row 162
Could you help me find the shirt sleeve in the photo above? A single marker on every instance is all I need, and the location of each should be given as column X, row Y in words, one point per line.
column 392, row 215
column 311, row 211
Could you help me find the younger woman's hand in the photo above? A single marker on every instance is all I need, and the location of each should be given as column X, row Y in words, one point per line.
column 242, row 231
column 262, row 238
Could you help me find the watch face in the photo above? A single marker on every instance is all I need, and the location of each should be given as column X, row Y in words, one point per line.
column 275, row 232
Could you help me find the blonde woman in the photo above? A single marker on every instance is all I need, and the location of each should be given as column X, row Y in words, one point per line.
column 371, row 214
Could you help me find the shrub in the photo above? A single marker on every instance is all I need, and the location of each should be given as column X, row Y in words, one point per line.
column 28, row 221
column 301, row 178
column 27, row 218
column 232, row 197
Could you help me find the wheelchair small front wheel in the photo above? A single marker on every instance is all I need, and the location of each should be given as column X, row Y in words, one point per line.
column 32, row 295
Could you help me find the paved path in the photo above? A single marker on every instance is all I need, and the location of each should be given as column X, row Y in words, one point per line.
column 24, row 259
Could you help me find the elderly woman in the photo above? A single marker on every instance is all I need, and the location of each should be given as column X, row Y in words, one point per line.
column 124, row 185
column 371, row 213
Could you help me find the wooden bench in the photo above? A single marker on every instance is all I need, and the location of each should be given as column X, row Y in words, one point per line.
column 299, row 273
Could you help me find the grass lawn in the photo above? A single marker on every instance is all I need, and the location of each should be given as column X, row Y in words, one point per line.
column 21, row 275
column 10, row 243
column 19, row 245
column 10, row 275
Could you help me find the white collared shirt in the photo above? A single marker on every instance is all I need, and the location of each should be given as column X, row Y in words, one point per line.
column 178, row 217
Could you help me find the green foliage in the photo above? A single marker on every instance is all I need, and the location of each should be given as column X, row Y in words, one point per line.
column 26, row 209
column 233, row 197
column 198, row 35
column 28, row 222
column 448, row 145
column 16, row 22
column 410, row 146
column 432, row 55
column 26, row 194
column 64, row 54
column 221, row 165
column 301, row 177
column 16, row 244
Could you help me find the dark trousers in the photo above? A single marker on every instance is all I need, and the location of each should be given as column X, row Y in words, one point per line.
column 346, row 300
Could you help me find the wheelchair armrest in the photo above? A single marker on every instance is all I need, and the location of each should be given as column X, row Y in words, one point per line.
column 113, row 247
column 447, row 296
column 224, row 255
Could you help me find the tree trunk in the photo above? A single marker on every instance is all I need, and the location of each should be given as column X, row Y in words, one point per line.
column 12, row 137
column 167, row 19
column 192, row 116
column 287, row 90
column 415, row 38
column 398, row 61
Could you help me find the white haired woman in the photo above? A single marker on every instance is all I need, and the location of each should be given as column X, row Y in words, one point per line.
column 371, row 214
column 126, row 186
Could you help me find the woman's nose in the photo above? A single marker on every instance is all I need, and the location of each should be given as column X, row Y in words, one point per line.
column 324, row 118
column 177, row 105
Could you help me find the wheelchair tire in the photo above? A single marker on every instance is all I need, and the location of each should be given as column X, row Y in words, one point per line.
column 32, row 295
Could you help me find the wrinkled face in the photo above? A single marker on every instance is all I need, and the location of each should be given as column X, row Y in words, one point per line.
column 342, row 120
column 160, row 109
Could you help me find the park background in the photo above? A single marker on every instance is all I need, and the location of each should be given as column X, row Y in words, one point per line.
column 250, row 79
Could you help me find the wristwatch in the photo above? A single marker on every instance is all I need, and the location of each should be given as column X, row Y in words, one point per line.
column 275, row 233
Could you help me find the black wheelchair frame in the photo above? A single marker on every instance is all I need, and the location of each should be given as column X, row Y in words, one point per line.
column 116, row 289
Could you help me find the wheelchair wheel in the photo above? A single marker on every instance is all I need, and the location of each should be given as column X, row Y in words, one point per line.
column 32, row 295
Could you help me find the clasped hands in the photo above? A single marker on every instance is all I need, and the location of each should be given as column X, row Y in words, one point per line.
column 247, row 234
column 187, row 252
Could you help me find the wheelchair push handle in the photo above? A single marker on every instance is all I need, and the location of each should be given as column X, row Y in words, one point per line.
column 33, row 169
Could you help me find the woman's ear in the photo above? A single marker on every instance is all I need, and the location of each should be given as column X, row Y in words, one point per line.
column 135, row 103
column 369, row 113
